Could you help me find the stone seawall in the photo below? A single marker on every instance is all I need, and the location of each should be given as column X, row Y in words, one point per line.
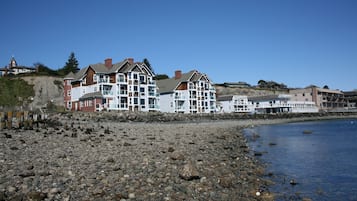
column 175, row 117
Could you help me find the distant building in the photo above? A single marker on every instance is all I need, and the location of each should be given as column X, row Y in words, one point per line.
column 351, row 99
column 325, row 99
column 127, row 86
column 264, row 104
column 14, row 69
column 234, row 103
column 191, row 92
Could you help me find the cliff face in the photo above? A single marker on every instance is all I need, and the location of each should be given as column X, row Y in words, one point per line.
column 223, row 90
column 47, row 89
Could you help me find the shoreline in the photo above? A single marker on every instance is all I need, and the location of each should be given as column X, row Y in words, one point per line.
column 74, row 157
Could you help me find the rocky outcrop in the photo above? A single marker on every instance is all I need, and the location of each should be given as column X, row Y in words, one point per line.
column 47, row 89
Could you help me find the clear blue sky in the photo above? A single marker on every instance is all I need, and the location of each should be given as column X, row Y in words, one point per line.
column 296, row 42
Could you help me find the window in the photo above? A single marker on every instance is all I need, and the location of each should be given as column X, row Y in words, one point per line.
column 135, row 101
column 85, row 81
column 135, row 88
column 142, row 89
column 135, row 76
column 69, row 93
column 142, row 79
column 94, row 78
column 142, row 101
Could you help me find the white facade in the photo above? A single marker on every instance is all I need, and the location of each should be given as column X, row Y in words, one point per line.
column 191, row 92
column 235, row 104
column 123, row 86
column 265, row 104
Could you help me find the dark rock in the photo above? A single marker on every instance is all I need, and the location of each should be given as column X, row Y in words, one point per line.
column 27, row 174
column 171, row 149
column 227, row 181
column 14, row 148
column 7, row 135
column 126, row 144
column 36, row 196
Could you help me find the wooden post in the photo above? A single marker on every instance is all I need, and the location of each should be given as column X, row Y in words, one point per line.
column 9, row 120
column 2, row 120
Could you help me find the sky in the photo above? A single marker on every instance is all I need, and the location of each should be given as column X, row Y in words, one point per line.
column 295, row 42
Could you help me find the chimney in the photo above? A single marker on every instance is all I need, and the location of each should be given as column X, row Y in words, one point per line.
column 178, row 74
column 108, row 63
column 131, row 60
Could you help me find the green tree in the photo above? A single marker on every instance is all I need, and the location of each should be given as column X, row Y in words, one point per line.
column 161, row 77
column 147, row 63
column 44, row 70
column 71, row 65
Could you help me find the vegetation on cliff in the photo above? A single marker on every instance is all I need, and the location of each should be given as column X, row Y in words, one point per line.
column 15, row 92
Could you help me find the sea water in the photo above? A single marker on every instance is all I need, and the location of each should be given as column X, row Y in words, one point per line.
column 316, row 160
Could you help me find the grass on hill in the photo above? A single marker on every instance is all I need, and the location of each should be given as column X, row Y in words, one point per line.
column 14, row 92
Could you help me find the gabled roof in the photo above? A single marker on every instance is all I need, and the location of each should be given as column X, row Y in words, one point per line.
column 92, row 95
column 169, row 85
column 69, row 76
column 121, row 67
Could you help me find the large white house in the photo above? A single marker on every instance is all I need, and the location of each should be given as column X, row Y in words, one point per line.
column 126, row 85
column 264, row 104
column 191, row 92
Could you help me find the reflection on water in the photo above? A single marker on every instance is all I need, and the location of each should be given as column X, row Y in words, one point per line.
column 323, row 162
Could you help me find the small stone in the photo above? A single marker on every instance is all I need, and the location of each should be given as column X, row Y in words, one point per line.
column 171, row 149
column 189, row 172
column 27, row 174
column 54, row 191
column 126, row 144
column 177, row 156
column 131, row 195
column 36, row 196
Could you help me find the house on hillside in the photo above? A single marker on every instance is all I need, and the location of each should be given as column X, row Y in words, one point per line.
column 325, row 99
column 191, row 92
column 126, row 85
column 14, row 69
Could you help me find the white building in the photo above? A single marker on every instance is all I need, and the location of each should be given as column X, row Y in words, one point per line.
column 14, row 69
column 265, row 104
column 122, row 86
column 234, row 103
column 190, row 92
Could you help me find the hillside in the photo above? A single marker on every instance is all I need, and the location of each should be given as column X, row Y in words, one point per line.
column 47, row 89
column 247, row 91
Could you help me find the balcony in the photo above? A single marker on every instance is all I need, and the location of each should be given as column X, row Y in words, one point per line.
column 180, row 97
column 153, row 106
column 123, row 106
column 122, row 80
column 103, row 80
column 107, row 93
column 123, row 92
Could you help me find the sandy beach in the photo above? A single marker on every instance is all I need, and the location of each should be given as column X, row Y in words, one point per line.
column 76, row 157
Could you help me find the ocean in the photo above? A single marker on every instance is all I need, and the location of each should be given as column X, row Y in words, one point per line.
column 316, row 159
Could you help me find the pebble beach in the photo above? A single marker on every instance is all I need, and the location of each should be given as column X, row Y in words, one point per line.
column 85, row 158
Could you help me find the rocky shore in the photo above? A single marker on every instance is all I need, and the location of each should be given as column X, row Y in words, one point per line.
column 90, row 156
